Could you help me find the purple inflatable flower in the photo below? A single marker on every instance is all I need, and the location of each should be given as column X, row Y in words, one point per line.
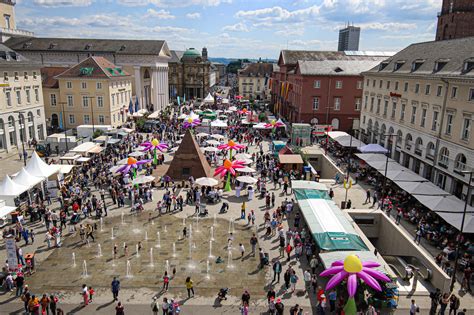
column 191, row 123
column 132, row 164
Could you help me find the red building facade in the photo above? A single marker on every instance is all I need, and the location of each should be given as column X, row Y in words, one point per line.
column 320, row 87
column 455, row 20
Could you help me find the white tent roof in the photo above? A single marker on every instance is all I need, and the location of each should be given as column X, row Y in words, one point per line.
column 219, row 123
column 5, row 210
column 209, row 98
column 37, row 167
column 26, row 179
column 84, row 147
column 10, row 188
column 155, row 114
column 372, row 148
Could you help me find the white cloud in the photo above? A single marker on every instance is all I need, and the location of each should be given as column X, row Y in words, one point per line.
column 239, row 27
column 173, row 3
column 194, row 15
column 279, row 14
column 63, row 3
column 161, row 14
column 391, row 26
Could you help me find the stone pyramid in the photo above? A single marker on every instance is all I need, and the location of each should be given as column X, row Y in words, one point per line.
column 188, row 160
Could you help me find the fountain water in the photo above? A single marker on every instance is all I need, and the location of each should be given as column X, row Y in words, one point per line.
column 190, row 231
column 208, row 269
column 197, row 222
column 174, row 249
column 212, row 233
column 137, row 250
column 229, row 259
column 74, row 259
column 215, row 219
column 146, row 235
column 153, row 222
column 158, row 240
column 112, row 233
column 151, row 257
column 210, row 250
column 123, row 222
column 191, row 264
column 230, row 226
column 84, row 269
column 166, row 229
column 128, row 273
column 99, row 250
column 233, row 227
column 101, row 224
column 184, row 221
column 167, row 266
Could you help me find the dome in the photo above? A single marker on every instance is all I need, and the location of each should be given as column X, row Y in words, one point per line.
column 191, row 53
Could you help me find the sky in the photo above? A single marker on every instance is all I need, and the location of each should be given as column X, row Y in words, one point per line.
column 236, row 28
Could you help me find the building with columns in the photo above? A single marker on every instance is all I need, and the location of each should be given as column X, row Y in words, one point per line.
column 146, row 60
column 423, row 97
column 22, row 116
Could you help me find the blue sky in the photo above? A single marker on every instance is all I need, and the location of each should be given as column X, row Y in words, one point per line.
column 236, row 28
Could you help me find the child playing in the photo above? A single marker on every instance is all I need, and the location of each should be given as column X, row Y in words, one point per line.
column 91, row 294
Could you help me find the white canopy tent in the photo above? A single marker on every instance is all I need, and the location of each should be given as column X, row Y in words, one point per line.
column 37, row 167
column 372, row 148
column 209, row 99
column 9, row 188
column 345, row 139
column 219, row 123
column 154, row 115
column 372, row 157
column 403, row 176
column 422, row 188
column 5, row 210
column 84, row 147
column 246, row 179
column 24, row 178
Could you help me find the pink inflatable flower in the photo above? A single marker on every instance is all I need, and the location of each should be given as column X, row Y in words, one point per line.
column 131, row 164
column 229, row 167
column 231, row 145
column 274, row 124
column 352, row 268
column 191, row 123
column 243, row 111
column 154, row 144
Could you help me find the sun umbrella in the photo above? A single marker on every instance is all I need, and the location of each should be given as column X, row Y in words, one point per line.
column 137, row 154
column 247, row 161
column 210, row 149
column 122, row 161
column 213, row 142
column 207, row 181
column 202, row 134
column 143, row 179
column 242, row 156
column 217, row 136
column 246, row 179
column 246, row 169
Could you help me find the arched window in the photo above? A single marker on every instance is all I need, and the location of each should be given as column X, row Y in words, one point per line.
column 11, row 122
column 444, row 156
column 430, row 149
column 11, row 130
column 335, row 123
column 408, row 141
column 460, row 163
column 30, row 117
column 399, row 136
column 314, row 121
column 418, row 146
column 369, row 125
column 146, row 74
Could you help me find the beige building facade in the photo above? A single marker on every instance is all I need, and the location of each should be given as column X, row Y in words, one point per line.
column 253, row 80
column 93, row 92
column 7, row 22
column 22, row 116
column 422, row 100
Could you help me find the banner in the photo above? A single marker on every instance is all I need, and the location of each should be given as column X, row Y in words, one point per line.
column 61, row 120
column 179, row 101
column 11, row 253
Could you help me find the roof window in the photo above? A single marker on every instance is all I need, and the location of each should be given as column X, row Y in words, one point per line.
column 415, row 65
column 383, row 65
column 88, row 47
column 397, row 65
column 338, row 69
column 468, row 65
column 439, row 64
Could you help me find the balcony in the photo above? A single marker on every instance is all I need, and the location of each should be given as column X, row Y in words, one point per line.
column 15, row 32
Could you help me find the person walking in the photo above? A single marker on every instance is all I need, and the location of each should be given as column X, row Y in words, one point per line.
column 85, row 295
column 444, row 303
column 307, row 280
column 435, row 299
column 454, row 304
column 242, row 250
column 165, row 306
column 414, row 308
column 253, row 243
column 293, row 281
column 277, row 268
column 418, row 234
column 119, row 309
column 115, row 286
column 155, row 307
column 166, row 281
column 367, row 196
column 245, row 297
column 189, row 286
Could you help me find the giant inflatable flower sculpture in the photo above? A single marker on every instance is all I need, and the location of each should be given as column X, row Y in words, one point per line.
column 132, row 164
column 351, row 269
column 191, row 122
column 231, row 145
column 228, row 168
column 274, row 124
column 243, row 111
column 154, row 145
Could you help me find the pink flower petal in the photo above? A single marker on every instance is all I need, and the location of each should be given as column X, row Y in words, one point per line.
column 352, row 285
column 371, row 282
column 330, row 271
column 336, row 279
column 376, row 274
column 338, row 263
column 370, row 264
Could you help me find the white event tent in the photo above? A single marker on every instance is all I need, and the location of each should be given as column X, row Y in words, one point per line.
column 26, row 179
column 209, row 99
column 37, row 167
column 9, row 190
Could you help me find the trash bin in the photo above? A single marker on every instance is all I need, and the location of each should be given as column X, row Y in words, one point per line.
column 343, row 205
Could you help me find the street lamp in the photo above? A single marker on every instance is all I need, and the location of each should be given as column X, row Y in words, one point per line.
column 22, row 134
column 386, row 161
column 453, row 277
column 64, row 123
column 92, row 112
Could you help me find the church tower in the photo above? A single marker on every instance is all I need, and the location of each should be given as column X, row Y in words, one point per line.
column 456, row 19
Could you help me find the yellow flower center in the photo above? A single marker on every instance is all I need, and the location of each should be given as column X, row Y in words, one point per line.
column 352, row 264
column 155, row 142
column 190, row 120
column 227, row 164
column 231, row 143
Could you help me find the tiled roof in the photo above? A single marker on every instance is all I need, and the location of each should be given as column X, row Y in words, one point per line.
column 451, row 54
column 116, row 46
column 291, row 57
column 176, row 55
column 48, row 76
column 10, row 57
column 94, row 67
column 258, row 69
column 337, row 67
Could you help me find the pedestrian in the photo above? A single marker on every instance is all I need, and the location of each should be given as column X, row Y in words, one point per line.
column 444, row 303
column 307, row 280
column 414, row 308
column 332, row 300
column 367, row 195
column 53, row 304
column 279, row 307
column 399, row 216
column 435, row 299
column 165, row 306
column 189, row 286
column 184, row 232
column 371, row 310
column 314, row 282
column 119, row 310
column 454, row 304
column 91, row 294
column 293, row 281
column 44, row 304
column 32, row 236
column 253, row 243
column 418, row 234
column 286, row 278
column 242, row 250
column 246, row 297
column 288, row 250
column 19, row 282
column 115, row 288
column 277, row 268
column 85, row 295
column 154, row 306
column 166, row 281
column 313, row 263
column 242, row 211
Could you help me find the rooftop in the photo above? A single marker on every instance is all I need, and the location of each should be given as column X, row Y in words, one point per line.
column 48, row 76
column 10, row 57
column 291, row 57
column 94, row 67
column 259, row 69
column 336, row 67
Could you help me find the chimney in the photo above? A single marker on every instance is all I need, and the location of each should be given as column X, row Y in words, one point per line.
column 204, row 53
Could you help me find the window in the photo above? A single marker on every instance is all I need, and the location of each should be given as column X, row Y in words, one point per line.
column 317, row 84
column 52, row 99
column 402, row 113
column 70, row 100
column 380, row 84
column 372, row 100
column 18, row 97
column 25, row 75
column 417, row 88
column 405, row 87
column 358, row 103
column 28, row 96
column 37, row 98
column 471, row 95
column 413, row 114
column 83, row 85
column 101, row 119
column 100, row 101
column 396, row 85
column 394, row 109
column 388, row 85
column 378, row 106
column 427, row 89
column 99, row 85
column 359, row 85
column 35, row 75
column 373, row 82
column 444, row 157
column 434, row 123
column 69, row 85
column 439, row 90
column 385, row 108
column 113, row 99
column 72, row 119
column 7, row 21
column 8, row 96
column 363, row 119
column 16, row 76
column 449, row 123
column 5, row 76
column 87, row 119
column 337, row 103
column 466, row 129
column 368, row 82
column 460, row 162
column 338, row 84
column 423, row 117
column 315, row 103
column 454, row 92
column 85, row 101
column 366, row 102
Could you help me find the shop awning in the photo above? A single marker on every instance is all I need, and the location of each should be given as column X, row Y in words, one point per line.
column 373, row 148
column 84, row 147
column 290, row 159
column 96, row 150
column 403, row 176
column 422, row 188
column 373, row 157
column 306, row 184
column 346, row 140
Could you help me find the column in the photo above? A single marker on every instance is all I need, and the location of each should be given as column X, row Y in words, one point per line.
column 159, row 86
column 138, row 86
column 154, row 88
